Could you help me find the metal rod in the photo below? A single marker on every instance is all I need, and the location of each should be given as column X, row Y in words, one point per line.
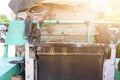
column 76, row 22
column 5, row 51
column 62, row 35
column 67, row 53
column 119, row 34
column 90, row 34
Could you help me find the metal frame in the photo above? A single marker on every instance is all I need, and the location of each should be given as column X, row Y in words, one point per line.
column 29, row 64
column 109, row 64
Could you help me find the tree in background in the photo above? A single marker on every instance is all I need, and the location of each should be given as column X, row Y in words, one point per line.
column 3, row 19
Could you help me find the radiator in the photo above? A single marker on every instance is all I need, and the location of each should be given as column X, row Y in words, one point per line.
column 73, row 63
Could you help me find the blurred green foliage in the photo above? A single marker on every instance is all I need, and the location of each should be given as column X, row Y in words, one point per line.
column 4, row 19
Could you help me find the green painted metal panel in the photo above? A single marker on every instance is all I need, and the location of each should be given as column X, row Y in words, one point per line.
column 15, row 34
column 117, row 73
column 6, row 69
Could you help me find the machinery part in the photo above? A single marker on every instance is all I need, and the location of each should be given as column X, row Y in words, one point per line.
column 119, row 65
column 34, row 37
column 37, row 10
column 70, row 61
column 21, row 64
column 20, row 51
column 118, row 50
column 28, row 24
column 32, row 32
column 104, row 36
column 109, row 64
column 69, row 67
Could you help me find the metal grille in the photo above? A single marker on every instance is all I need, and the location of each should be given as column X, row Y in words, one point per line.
column 72, row 66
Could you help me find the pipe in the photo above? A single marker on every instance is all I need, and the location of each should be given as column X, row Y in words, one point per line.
column 76, row 22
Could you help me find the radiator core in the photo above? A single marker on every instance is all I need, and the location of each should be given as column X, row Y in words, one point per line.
column 83, row 63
